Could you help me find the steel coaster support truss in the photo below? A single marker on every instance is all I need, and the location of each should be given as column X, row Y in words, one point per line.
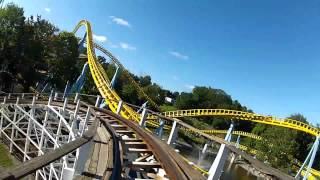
column 32, row 130
column 115, row 76
column 310, row 159
column 78, row 85
column 218, row 163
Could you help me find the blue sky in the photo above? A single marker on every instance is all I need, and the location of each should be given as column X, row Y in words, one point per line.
column 264, row 53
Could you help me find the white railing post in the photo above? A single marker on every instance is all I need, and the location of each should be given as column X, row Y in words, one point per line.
column 97, row 101
column 119, row 107
column 50, row 99
column 55, row 96
column 4, row 100
column 173, row 134
column 159, row 130
column 76, row 97
column 142, row 122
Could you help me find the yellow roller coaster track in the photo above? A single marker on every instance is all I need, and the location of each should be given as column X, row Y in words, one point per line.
column 240, row 133
column 100, row 78
column 127, row 74
column 240, row 115
column 103, row 84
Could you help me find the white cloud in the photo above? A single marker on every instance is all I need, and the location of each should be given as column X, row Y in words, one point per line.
column 47, row 9
column 126, row 46
column 113, row 45
column 188, row 86
column 174, row 77
column 99, row 38
column 120, row 21
column 179, row 55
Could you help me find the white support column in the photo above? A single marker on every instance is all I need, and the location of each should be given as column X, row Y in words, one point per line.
column 97, row 101
column 77, row 110
column 1, row 124
column 65, row 90
column 13, row 127
column 76, row 97
column 4, row 100
column 51, row 93
column 142, row 122
column 22, row 97
column 50, row 99
column 85, row 121
column 160, row 128
column 56, row 96
column 1, row 120
column 46, row 116
column 218, row 163
column 9, row 95
column 310, row 159
column 203, row 153
column 238, row 141
column 27, row 141
column 119, row 107
column 173, row 134
column 313, row 156
column 233, row 155
column 65, row 104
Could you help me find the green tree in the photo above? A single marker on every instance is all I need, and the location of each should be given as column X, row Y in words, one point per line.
column 277, row 147
column 65, row 65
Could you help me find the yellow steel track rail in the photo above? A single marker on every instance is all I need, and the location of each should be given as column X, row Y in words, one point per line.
column 100, row 79
column 241, row 133
column 240, row 115
column 127, row 74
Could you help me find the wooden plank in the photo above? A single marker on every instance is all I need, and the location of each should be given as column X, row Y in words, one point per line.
column 92, row 169
column 144, row 164
column 103, row 154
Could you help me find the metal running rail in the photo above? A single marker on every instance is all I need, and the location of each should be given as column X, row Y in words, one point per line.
column 245, row 116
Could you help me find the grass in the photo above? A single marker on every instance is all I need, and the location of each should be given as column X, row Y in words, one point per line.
column 5, row 158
